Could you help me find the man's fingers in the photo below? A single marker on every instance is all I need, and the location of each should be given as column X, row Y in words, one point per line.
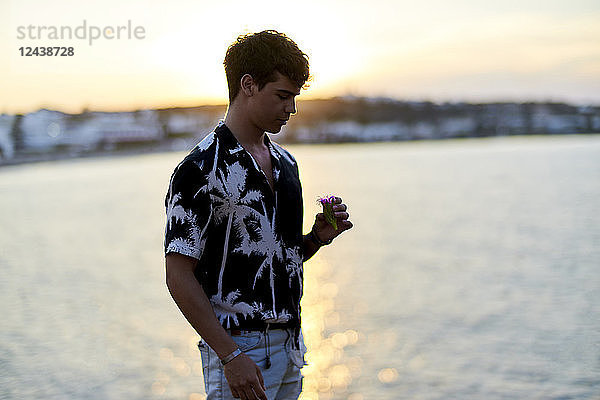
column 242, row 395
column 234, row 393
column 259, row 393
column 247, row 393
column 340, row 207
column 260, row 378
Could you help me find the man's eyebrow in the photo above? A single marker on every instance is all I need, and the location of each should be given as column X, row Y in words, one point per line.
column 288, row 92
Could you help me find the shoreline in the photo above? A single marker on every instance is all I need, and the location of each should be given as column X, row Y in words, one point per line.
column 171, row 147
column 58, row 156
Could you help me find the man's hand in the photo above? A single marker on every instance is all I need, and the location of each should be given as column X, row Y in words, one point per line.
column 245, row 379
column 324, row 230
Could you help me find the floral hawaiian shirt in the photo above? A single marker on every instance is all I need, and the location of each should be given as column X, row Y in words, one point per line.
column 246, row 237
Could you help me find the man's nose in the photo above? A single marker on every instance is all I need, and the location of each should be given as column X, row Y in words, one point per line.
column 291, row 107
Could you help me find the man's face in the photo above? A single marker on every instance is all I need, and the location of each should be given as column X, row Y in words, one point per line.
column 272, row 106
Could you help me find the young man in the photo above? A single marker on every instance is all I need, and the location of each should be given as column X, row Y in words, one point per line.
column 234, row 246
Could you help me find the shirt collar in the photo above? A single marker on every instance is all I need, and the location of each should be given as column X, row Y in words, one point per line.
column 233, row 146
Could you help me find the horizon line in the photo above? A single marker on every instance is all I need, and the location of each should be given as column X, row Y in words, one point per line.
column 549, row 100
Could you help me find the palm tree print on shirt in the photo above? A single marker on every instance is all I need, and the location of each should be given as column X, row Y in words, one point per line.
column 229, row 203
column 269, row 247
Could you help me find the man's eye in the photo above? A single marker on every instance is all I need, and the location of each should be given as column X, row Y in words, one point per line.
column 282, row 97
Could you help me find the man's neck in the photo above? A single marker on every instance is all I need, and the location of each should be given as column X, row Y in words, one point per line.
column 249, row 135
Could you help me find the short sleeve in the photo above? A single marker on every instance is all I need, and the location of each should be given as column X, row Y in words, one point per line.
column 188, row 211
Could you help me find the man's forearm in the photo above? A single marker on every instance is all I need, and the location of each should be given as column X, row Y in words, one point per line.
column 310, row 247
column 193, row 303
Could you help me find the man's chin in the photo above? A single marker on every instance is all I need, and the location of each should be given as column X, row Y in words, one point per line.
column 274, row 129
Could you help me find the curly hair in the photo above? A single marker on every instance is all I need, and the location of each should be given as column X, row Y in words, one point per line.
column 262, row 54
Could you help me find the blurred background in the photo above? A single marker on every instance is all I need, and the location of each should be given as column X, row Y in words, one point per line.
column 463, row 137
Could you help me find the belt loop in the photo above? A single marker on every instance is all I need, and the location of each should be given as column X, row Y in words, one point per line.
column 297, row 338
column 268, row 347
column 287, row 339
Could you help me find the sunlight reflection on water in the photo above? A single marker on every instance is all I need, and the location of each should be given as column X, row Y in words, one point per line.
column 328, row 369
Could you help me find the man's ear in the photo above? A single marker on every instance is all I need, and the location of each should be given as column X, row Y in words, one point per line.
column 247, row 85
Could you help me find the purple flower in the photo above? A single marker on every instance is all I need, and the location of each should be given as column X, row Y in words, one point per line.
column 327, row 203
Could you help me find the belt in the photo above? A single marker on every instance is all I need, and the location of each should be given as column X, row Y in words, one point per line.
column 265, row 327
column 237, row 332
column 260, row 328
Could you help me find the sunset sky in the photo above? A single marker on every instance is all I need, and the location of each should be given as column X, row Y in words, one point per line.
column 438, row 50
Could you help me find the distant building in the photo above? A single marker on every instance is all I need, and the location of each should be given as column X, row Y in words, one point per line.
column 558, row 118
column 456, row 126
column 423, row 130
column 566, row 123
column 131, row 127
column 595, row 123
column 385, row 131
column 42, row 129
column 45, row 130
column 7, row 145
column 188, row 122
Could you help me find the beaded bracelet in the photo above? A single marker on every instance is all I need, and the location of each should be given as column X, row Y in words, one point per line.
column 313, row 236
